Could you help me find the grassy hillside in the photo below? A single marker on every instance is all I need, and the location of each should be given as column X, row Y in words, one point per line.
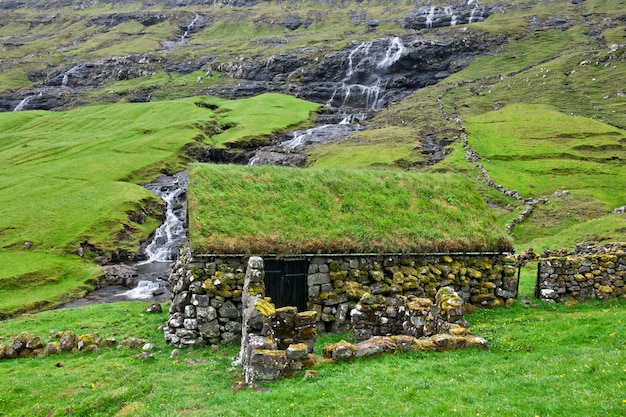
column 560, row 125
column 540, row 151
column 70, row 181
column 35, row 40
column 235, row 209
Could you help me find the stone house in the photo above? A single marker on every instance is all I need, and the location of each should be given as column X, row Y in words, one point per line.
column 325, row 271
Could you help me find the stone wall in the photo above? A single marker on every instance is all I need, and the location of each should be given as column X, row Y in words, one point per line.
column 411, row 316
column 274, row 342
column 206, row 306
column 387, row 325
column 597, row 274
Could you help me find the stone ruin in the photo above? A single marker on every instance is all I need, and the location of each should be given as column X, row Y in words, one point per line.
column 276, row 342
column 386, row 325
column 207, row 290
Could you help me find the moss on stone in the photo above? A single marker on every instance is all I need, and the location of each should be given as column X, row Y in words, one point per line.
column 264, row 307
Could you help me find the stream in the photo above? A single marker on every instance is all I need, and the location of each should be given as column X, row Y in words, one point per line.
column 147, row 280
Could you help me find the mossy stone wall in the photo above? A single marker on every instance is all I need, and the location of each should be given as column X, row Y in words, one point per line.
column 593, row 276
column 206, row 306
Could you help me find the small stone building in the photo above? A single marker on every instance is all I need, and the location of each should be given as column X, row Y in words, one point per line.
column 372, row 242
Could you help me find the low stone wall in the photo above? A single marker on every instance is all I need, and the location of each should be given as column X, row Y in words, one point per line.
column 27, row 345
column 411, row 316
column 206, row 305
column 378, row 345
column 598, row 274
column 274, row 342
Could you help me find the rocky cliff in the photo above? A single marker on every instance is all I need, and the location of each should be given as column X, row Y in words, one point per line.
column 365, row 73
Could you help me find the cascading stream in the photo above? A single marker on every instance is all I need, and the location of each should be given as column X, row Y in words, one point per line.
column 364, row 82
column 162, row 249
column 148, row 278
column 362, row 87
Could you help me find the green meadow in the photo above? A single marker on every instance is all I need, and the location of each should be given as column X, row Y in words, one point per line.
column 545, row 111
column 544, row 360
column 71, row 182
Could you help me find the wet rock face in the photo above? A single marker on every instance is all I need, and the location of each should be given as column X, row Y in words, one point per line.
column 98, row 73
column 368, row 75
column 458, row 14
column 82, row 4
column 114, row 19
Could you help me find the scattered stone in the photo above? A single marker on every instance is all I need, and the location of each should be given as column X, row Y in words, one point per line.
column 310, row 373
column 52, row 348
column 238, row 386
column 195, row 361
column 154, row 308
column 144, row 356
column 68, row 341
column 132, row 343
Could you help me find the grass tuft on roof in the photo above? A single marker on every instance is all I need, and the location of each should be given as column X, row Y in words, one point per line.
column 284, row 211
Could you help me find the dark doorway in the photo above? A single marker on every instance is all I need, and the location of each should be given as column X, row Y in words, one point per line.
column 285, row 282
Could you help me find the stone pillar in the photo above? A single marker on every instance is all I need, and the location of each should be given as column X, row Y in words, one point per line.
column 256, row 328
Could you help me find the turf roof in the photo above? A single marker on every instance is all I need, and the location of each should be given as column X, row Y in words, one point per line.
column 286, row 211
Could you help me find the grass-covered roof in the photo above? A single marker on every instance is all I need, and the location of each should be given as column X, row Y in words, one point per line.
column 275, row 210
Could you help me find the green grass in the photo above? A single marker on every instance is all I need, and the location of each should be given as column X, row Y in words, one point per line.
column 607, row 229
column 359, row 155
column 72, row 179
column 315, row 210
column 256, row 120
column 539, row 151
column 549, row 151
column 545, row 359
column 33, row 280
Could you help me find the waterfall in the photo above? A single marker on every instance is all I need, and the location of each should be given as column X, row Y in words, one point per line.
column 299, row 139
column 449, row 11
column 142, row 291
column 66, row 76
column 321, row 134
column 473, row 15
column 393, row 54
column 189, row 27
column 22, row 104
column 164, row 245
column 161, row 251
column 365, row 79
column 429, row 17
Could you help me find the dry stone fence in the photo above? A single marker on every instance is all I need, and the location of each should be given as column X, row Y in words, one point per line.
column 207, row 291
column 593, row 272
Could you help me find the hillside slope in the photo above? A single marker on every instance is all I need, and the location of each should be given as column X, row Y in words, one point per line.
column 525, row 97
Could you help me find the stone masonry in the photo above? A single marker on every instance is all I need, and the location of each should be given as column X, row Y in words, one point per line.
column 207, row 290
column 597, row 274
